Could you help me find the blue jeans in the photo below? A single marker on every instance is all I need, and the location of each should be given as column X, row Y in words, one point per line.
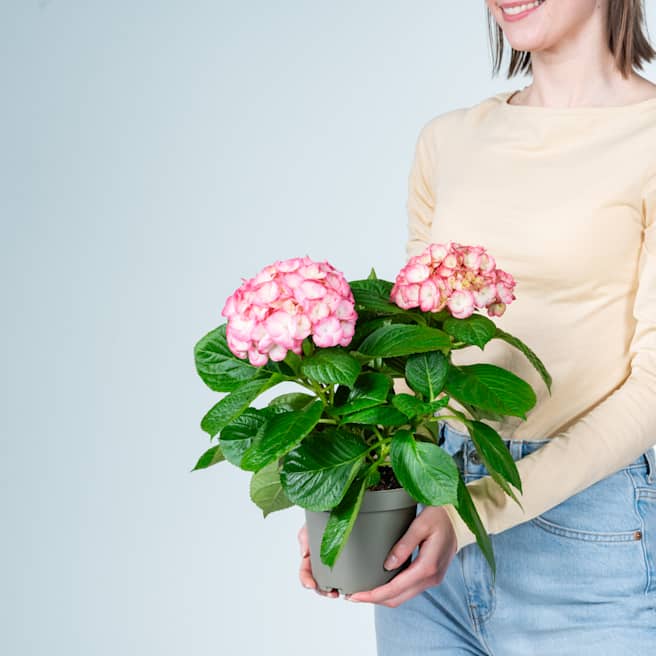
column 578, row 580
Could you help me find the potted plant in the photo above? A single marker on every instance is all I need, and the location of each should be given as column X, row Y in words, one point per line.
column 347, row 447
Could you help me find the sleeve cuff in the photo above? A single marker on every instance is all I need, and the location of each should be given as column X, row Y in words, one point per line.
column 463, row 535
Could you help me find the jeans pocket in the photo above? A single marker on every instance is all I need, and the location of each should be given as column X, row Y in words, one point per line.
column 596, row 538
column 603, row 512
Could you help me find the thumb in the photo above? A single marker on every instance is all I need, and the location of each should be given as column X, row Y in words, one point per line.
column 400, row 552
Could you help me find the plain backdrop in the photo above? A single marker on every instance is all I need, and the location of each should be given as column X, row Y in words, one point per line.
column 151, row 154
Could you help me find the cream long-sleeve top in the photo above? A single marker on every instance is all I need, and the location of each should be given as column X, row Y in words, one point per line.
column 564, row 199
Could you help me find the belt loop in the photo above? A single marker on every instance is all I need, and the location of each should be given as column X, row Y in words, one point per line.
column 650, row 457
column 440, row 432
column 516, row 449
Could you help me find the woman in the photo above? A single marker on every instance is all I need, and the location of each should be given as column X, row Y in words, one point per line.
column 558, row 181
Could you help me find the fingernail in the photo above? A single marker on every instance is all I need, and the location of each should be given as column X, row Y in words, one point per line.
column 349, row 598
column 308, row 586
column 390, row 563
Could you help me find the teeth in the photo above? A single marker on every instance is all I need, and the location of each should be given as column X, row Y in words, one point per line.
column 518, row 9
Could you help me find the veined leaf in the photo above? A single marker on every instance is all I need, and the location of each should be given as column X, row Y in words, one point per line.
column 209, row 458
column 317, row 473
column 292, row 401
column 496, row 457
column 266, row 490
column 231, row 406
column 279, row 435
column 370, row 389
column 475, row 329
column 373, row 295
column 220, row 369
column 412, row 407
column 403, row 339
column 426, row 373
column 467, row 510
column 381, row 415
column 341, row 520
column 237, row 437
column 491, row 388
column 329, row 366
column 426, row 471
column 530, row 355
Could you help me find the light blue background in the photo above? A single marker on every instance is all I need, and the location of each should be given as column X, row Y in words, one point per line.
column 151, row 154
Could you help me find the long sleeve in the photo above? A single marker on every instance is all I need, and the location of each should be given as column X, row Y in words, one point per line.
column 421, row 199
column 608, row 437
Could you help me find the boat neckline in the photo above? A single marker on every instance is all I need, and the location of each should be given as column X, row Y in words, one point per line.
column 503, row 96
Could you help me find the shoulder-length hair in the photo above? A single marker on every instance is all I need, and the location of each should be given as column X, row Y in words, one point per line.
column 627, row 38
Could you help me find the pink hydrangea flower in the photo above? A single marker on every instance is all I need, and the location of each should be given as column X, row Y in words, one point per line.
column 283, row 304
column 459, row 277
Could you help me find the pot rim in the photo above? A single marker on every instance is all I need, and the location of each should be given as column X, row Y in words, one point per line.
column 391, row 499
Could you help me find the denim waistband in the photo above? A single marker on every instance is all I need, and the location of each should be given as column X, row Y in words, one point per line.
column 461, row 446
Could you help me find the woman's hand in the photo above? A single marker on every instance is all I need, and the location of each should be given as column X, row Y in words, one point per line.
column 305, row 573
column 432, row 529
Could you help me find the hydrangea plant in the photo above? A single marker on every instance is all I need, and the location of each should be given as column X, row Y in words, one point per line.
column 344, row 345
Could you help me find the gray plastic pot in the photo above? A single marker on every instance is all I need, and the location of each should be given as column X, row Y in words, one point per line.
column 384, row 517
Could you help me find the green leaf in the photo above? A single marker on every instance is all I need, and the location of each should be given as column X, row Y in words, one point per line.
column 496, row 457
column 220, row 369
column 426, row 471
column 475, row 329
column 412, row 407
column 381, row 415
column 209, row 458
column 370, row 389
column 369, row 322
column 530, row 355
column 266, row 490
column 237, row 437
column 363, row 328
column 293, row 361
column 479, row 413
column 374, row 477
column 341, row 520
column 292, row 401
column 317, row 474
column 331, row 365
column 491, row 388
column 231, row 406
column 426, row 373
column 281, row 434
column 396, row 365
column 373, row 295
column 404, row 339
column 467, row 510
column 372, row 274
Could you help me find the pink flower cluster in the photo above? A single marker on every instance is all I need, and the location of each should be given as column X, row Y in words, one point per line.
column 451, row 275
column 286, row 302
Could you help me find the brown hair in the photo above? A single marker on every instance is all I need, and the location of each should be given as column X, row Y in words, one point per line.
column 628, row 40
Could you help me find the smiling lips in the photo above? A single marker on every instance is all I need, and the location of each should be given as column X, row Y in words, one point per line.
column 517, row 10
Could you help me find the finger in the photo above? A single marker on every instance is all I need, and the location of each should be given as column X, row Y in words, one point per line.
column 308, row 580
column 421, row 569
column 418, row 530
column 408, row 577
column 408, row 593
column 305, row 571
column 303, row 540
